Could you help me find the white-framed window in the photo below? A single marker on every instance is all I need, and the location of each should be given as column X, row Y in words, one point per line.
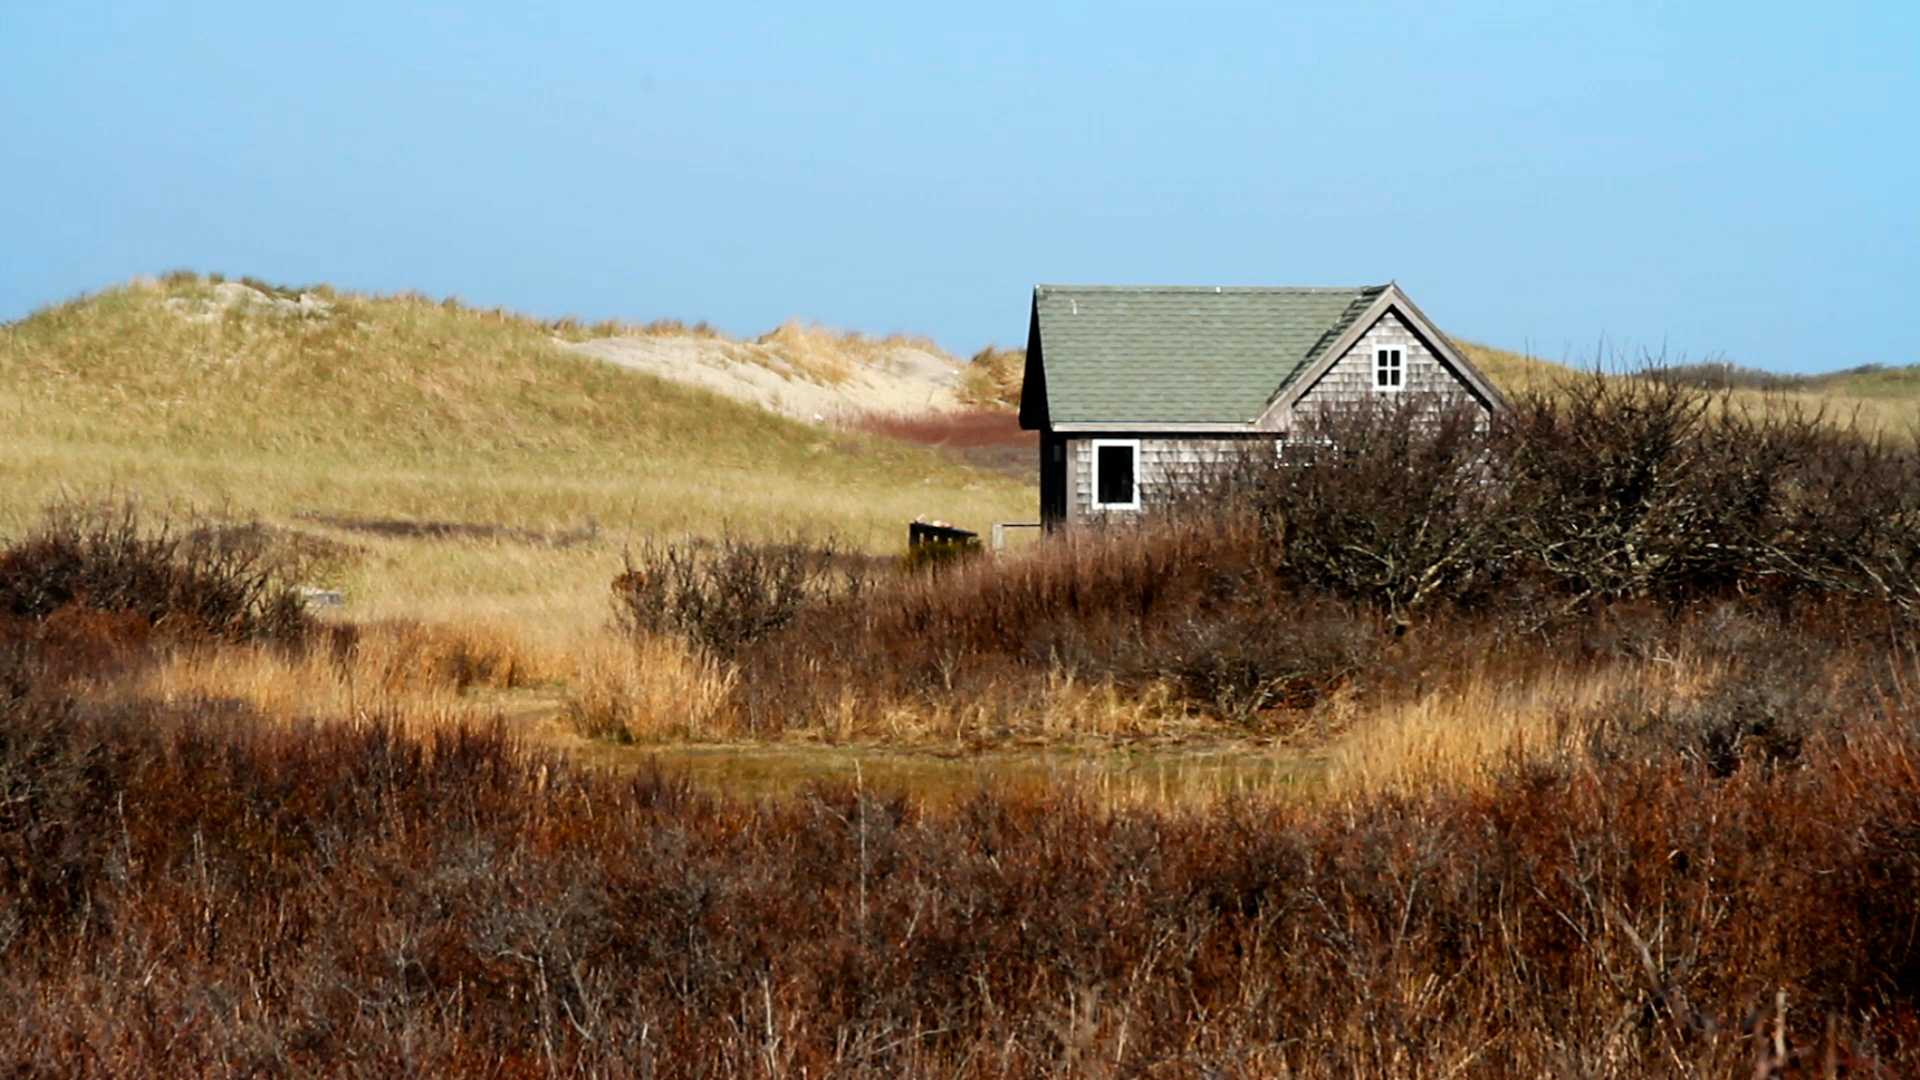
column 1301, row 449
column 1116, row 474
column 1389, row 368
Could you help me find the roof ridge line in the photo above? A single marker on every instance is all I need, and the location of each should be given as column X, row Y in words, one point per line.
column 1213, row 288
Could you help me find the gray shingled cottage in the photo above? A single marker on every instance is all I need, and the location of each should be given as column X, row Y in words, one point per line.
column 1132, row 387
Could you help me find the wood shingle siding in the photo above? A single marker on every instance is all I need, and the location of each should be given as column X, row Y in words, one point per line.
column 1163, row 465
column 1350, row 381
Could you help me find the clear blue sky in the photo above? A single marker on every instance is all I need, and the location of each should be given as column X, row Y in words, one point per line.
column 1737, row 181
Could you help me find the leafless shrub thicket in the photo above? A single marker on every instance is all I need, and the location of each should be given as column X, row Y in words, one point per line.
column 723, row 597
column 1382, row 546
column 1615, row 490
column 233, row 582
column 186, row 895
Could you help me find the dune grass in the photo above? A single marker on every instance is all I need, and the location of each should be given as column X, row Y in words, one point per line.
column 201, row 393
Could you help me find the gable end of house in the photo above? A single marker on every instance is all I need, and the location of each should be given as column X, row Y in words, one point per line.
column 1346, row 372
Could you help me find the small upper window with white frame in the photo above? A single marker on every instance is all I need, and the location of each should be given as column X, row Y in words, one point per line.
column 1389, row 368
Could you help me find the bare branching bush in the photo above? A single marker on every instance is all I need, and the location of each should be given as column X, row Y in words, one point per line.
column 1721, row 884
column 1610, row 490
column 1242, row 663
column 1399, row 505
column 224, row 581
column 725, row 596
column 1166, row 607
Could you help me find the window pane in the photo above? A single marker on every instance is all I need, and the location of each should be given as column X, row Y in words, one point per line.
column 1116, row 475
column 1386, row 368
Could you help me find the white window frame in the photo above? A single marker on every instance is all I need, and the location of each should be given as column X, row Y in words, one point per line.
column 1093, row 496
column 1400, row 352
column 1304, row 442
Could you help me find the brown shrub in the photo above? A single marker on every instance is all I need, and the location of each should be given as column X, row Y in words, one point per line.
column 196, row 898
column 986, row 439
column 1610, row 490
column 219, row 581
column 723, row 597
column 960, row 430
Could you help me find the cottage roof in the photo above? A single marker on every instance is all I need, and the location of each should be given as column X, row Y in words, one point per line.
column 1149, row 355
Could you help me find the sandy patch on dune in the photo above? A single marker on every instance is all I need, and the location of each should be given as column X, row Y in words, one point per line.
column 229, row 295
column 806, row 385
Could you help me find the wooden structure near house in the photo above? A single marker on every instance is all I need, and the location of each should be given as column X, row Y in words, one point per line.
column 938, row 532
column 1133, row 387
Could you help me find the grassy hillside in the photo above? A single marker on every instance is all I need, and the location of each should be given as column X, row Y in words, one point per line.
column 341, row 407
column 1898, row 383
column 1883, row 400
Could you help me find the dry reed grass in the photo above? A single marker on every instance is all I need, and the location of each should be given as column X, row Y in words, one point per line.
column 121, row 609
column 655, row 689
column 1629, row 549
column 1492, row 718
column 993, row 377
column 426, row 673
column 1694, row 853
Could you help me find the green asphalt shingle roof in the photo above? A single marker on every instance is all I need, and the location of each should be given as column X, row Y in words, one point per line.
column 1157, row 355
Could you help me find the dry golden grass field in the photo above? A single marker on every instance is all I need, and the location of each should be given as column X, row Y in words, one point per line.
column 374, row 422
column 471, row 487
column 1884, row 401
